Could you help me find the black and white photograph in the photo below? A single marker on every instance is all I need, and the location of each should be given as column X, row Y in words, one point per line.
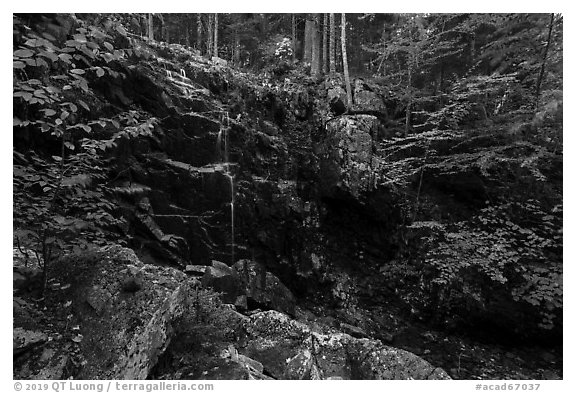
column 287, row 196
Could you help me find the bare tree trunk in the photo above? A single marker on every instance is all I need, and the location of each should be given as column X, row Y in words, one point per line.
column 236, row 49
column 308, row 29
column 162, row 36
column 142, row 22
column 316, row 67
column 325, row 45
column 543, row 66
column 339, row 51
column 210, row 35
column 150, row 28
column 345, row 64
column 293, row 37
column 332, row 44
column 199, row 32
column 215, row 35
column 187, row 32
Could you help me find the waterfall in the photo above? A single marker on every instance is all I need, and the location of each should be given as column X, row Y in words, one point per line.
column 231, row 215
column 219, row 145
column 223, row 140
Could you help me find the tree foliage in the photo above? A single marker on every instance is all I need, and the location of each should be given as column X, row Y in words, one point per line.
column 62, row 200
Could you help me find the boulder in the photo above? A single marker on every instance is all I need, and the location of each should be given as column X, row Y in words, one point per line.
column 347, row 162
column 288, row 349
column 195, row 270
column 263, row 289
column 248, row 285
column 54, row 360
column 223, row 279
column 121, row 331
column 24, row 340
column 365, row 100
column 337, row 100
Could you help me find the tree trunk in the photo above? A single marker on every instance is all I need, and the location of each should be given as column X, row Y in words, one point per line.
column 199, row 32
column 162, row 32
column 332, row 46
column 543, row 66
column 210, row 35
column 325, row 45
column 409, row 105
column 308, row 31
column 339, row 51
column 293, row 37
column 150, row 28
column 215, row 35
column 187, row 32
column 236, row 49
column 142, row 22
column 345, row 64
column 166, row 32
column 316, row 67
column 263, row 25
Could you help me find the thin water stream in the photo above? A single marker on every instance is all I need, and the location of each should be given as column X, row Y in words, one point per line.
column 222, row 144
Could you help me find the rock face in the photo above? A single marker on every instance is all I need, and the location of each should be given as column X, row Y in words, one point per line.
column 348, row 164
column 122, row 316
column 263, row 289
column 336, row 96
column 223, row 279
column 129, row 330
column 366, row 100
column 290, row 350
column 24, row 340
column 120, row 312
column 247, row 284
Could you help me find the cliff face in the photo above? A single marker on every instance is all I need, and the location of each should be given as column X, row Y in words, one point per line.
column 284, row 202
